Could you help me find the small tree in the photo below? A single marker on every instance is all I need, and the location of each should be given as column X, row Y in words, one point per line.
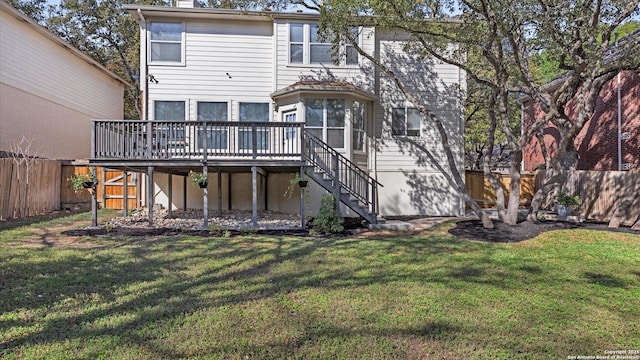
column 329, row 220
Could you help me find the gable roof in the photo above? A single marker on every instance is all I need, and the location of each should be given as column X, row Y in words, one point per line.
column 6, row 7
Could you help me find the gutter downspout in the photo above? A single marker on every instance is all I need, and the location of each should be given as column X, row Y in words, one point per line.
column 619, row 126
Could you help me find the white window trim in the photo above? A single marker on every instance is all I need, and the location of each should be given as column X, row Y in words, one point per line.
column 306, row 51
column 325, row 127
column 364, row 128
column 153, row 108
column 406, row 117
column 182, row 47
column 228, row 102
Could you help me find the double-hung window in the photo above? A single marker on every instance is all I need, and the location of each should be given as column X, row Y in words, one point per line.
column 308, row 46
column 319, row 47
column 324, row 118
column 358, row 126
column 405, row 122
column 169, row 135
column 166, row 42
column 213, row 136
column 254, row 112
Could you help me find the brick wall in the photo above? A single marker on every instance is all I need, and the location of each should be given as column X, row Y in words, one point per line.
column 597, row 142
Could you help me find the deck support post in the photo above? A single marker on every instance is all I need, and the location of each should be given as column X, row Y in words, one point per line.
column 170, row 196
column 205, row 195
column 150, row 192
column 254, row 186
column 219, row 193
column 303, row 209
column 228, row 191
column 94, row 199
column 184, row 193
column 125, row 191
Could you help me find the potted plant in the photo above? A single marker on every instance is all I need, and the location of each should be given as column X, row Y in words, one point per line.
column 83, row 181
column 299, row 181
column 565, row 203
column 200, row 179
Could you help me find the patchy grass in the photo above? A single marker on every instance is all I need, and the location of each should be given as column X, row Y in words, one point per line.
column 432, row 295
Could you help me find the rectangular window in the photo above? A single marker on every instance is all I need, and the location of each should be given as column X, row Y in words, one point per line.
column 296, row 43
column 215, row 137
column 308, row 46
column 405, row 122
column 319, row 47
column 324, row 118
column 174, row 134
column 166, row 42
column 351, row 53
column 358, row 126
column 254, row 112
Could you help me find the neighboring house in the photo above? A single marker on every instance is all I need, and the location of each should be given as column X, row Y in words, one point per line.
column 50, row 91
column 609, row 141
column 264, row 95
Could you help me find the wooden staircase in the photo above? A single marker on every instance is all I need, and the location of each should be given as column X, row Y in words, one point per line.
column 341, row 177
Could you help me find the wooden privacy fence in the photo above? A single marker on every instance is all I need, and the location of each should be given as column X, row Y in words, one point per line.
column 49, row 189
column 40, row 195
column 484, row 194
column 603, row 194
column 110, row 188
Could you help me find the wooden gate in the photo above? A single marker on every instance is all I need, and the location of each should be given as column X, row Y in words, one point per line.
column 110, row 188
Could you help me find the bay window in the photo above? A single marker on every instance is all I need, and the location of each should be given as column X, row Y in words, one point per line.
column 358, row 126
column 325, row 119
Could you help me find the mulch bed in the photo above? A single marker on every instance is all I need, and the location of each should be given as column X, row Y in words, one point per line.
column 503, row 233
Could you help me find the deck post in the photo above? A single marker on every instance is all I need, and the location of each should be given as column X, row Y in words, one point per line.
column 219, row 193
column 336, row 181
column 170, row 196
column 125, row 191
column 150, row 192
column 254, row 186
column 205, row 195
column 94, row 200
column 184, row 193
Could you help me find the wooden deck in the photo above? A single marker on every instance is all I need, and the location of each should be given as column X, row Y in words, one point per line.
column 179, row 145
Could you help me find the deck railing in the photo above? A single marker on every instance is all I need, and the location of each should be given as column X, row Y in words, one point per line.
column 157, row 140
column 345, row 176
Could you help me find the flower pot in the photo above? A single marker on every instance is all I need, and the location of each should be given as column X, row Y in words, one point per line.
column 303, row 183
column 563, row 212
column 203, row 185
column 87, row 184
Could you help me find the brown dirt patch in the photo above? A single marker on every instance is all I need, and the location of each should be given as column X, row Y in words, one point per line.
column 503, row 233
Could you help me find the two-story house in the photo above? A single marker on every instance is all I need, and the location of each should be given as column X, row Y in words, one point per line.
column 251, row 98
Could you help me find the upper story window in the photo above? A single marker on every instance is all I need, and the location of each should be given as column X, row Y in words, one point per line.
column 307, row 46
column 166, row 42
column 405, row 122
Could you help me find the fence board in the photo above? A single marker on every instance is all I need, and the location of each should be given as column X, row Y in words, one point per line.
column 484, row 194
column 602, row 194
column 39, row 196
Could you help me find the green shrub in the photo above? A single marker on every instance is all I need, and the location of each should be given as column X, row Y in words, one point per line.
column 329, row 219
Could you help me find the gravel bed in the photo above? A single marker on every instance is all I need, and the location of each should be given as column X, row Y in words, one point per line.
column 191, row 219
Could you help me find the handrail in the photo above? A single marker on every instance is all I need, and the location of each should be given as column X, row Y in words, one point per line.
column 343, row 173
column 154, row 139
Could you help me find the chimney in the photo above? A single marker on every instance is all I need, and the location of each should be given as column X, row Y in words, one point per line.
column 190, row 4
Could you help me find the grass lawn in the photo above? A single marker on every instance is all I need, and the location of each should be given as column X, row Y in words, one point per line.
column 431, row 295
